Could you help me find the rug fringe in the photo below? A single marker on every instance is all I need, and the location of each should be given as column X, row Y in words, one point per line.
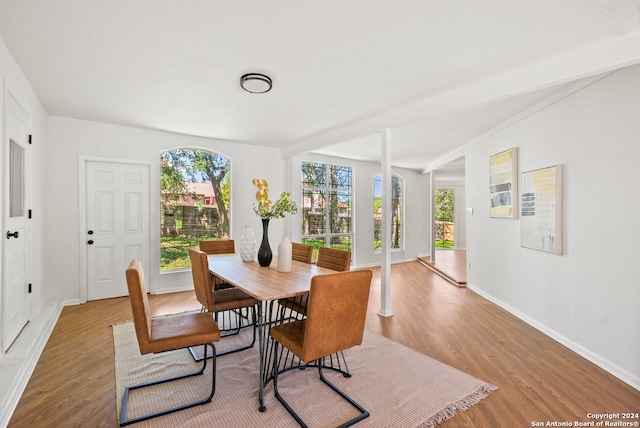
column 459, row 406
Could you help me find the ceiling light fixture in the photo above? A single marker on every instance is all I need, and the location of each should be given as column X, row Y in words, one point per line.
column 256, row 83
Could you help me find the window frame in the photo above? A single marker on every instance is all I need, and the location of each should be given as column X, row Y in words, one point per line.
column 328, row 191
column 401, row 216
column 199, row 203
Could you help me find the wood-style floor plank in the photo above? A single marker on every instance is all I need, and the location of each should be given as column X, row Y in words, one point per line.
column 538, row 379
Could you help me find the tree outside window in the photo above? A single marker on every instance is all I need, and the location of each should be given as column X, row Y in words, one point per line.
column 327, row 205
column 397, row 185
column 194, row 202
column 444, row 218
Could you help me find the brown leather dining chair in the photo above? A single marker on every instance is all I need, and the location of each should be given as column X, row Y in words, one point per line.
column 333, row 258
column 220, row 302
column 166, row 333
column 218, row 246
column 332, row 325
column 301, row 252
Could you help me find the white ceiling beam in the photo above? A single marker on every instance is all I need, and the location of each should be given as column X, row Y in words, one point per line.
column 601, row 57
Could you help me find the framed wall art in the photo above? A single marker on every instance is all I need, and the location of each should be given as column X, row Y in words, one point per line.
column 503, row 184
column 541, row 209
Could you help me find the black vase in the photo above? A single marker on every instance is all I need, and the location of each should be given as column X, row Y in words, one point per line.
column 264, row 252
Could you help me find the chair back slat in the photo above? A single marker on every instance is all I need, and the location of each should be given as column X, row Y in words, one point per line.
column 201, row 278
column 139, row 304
column 336, row 313
column 333, row 258
column 218, row 246
column 301, row 252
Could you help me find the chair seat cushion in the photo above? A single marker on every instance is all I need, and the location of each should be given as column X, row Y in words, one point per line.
column 291, row 335
column 182, row 331
column 231, row 298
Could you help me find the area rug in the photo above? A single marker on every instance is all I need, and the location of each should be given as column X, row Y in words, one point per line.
column 398, row 386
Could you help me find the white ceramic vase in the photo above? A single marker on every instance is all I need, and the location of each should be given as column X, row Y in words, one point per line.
column 248, row 245
column 284, row 255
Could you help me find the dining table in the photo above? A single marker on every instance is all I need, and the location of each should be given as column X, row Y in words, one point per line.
column 268, row 286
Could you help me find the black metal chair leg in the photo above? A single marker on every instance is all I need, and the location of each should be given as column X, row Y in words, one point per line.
column 125, row 399
column 198, row 358
column 363, row 412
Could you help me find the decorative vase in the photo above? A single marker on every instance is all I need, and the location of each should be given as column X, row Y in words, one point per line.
column 264, row 252
column 284, row 255
column 248, row 244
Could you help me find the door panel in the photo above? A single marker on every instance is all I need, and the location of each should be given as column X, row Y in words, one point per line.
column 15, row 239
column 118, row 219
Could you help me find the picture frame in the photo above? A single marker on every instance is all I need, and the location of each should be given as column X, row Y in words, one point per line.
column 503, row 184
column 541, row 209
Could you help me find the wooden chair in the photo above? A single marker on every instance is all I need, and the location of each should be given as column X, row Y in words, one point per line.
column 301, row 252
column 218, row 246
column 166, row 334
column 228, row 300
column 333, row 258
column 332, row 325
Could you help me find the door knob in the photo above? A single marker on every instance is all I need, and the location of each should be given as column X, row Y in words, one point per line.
column 90, row 232
column 90, row 242
column 14, row 234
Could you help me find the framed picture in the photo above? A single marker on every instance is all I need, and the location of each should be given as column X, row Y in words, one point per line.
column 503, row 184
column 541, row 212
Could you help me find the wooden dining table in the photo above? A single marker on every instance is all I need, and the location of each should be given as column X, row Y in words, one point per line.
column 267, row 285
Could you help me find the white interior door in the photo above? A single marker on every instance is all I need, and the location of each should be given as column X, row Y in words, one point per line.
column 15, row 279
column 117, row 225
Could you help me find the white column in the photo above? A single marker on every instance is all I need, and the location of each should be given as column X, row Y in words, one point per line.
column 385, row 267
column 432, row 216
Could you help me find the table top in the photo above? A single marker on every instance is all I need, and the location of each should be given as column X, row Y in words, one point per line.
column 265, row 283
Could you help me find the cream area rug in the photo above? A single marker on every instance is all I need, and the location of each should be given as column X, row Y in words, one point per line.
column 398, row 386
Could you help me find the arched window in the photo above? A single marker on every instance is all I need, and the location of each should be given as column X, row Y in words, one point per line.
column 397, row 209
column 194, row 202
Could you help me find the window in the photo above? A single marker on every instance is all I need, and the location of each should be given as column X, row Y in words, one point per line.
column 194, row 203
column 397, row 187
column 327, row 205
column 444, row 218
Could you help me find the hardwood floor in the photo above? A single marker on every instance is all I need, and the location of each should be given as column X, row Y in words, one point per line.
column 452, row 264
column 537, row 378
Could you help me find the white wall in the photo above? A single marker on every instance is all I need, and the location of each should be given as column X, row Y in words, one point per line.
column 16, row 83
column 45, row 302
column 587, row 298
column 70, row 138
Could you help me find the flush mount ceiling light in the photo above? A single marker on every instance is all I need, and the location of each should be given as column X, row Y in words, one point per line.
column 256, row 83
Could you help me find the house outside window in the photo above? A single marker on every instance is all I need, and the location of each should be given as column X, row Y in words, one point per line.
column 397, row 210
column 327, row 196
column 194, row 203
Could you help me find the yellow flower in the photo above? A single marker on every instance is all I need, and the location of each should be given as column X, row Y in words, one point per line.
column 266, row 208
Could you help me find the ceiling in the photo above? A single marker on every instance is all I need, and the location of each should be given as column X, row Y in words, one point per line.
column 438, row 74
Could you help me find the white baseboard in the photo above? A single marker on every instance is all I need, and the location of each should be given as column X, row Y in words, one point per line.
column 617, row 371
column 19, row 362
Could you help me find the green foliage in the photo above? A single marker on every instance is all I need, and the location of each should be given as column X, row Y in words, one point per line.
column 444, row 204
column 172, row 184
column 174, row 252
column 192, row 165
column 283, row 205
column 444, row 244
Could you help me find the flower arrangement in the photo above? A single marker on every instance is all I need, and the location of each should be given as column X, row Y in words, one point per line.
column 266, row 209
